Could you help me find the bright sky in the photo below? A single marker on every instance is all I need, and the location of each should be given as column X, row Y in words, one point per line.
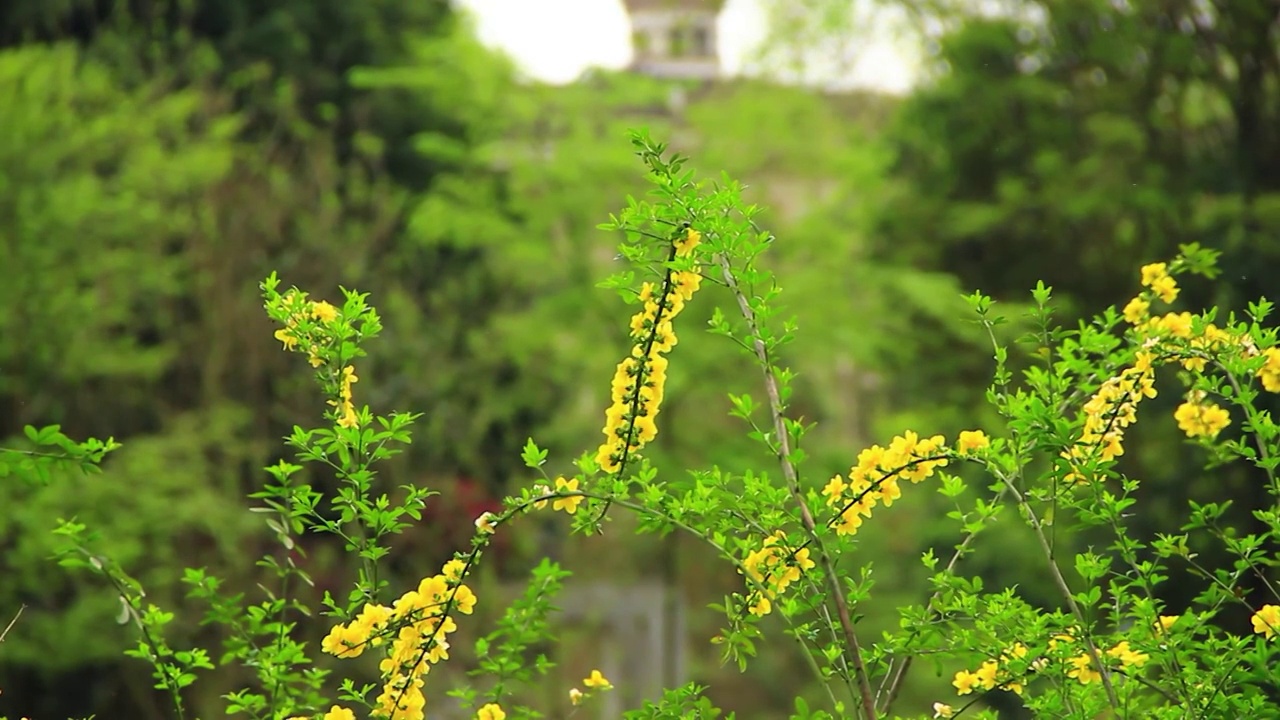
column 555, row 40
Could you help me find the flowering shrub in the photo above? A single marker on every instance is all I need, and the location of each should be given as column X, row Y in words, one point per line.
column 1111, row 649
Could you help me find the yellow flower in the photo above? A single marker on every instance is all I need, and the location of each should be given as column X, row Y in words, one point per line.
column 943, row 710
column 833, row 490
column 324, row 312
column 484, row 523
column 1270, row 373
column 540, row 490
column 339, row 713
column 1153, row 272
column 761, row 607
column 685, row 245
column 986, row 674
column 464, row 599
column 965, row 682
column 286, row 336
column 453, row 569
column 1266, row 621
column 1136, row 311
column 492, row 711
column 575, row 695
column 972, row 441
column 568, row 504
column 350, row 419
column 1082, row 669
column 1128, row 656
column 1201, row 419
column 596, row 680
column 686, row 283
column 1166, row 288
column 1177, row 324
column 1166, row 621
column 802, row 559
column 344, row 641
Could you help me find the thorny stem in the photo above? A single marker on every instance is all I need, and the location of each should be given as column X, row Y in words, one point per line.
column 793, row 484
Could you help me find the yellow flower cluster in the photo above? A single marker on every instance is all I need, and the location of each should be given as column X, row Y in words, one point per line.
column 1112, row 409
column 1004, row 671
column 313, row 341
column 774, row 567
column 993, row 673
column 874, row 480
column 1156, row 276
column 637, row 387
column 1266, row 622
column 291, row 335
column 1198, row 417
column 346, row 406
column 417, row 625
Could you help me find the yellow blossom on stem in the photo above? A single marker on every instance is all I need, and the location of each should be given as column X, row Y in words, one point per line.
column 286, row 336
column 964, row 682
column 339, row 713
column 761, row 606
column 1128, row 656
column 597, row 680
column 1156, row 276
column 1266, row 622
column 1175, row 324
column 324, row 312
column 972, row 441
column 454, row 569
column 1153, row 272
column 943, row 710
column 874, row 480
column 686, row 244
column 1269, row 373
column 575, row 696
column 1082, row 669
column 639, row 381
column 833, row 490
column 986, row 674
column 492, row 711
column 1112, row 409
column 1136, row 311
column 1198, row 418
column 568, row 504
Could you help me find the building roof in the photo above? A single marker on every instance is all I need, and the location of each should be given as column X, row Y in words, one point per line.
column 700, row 5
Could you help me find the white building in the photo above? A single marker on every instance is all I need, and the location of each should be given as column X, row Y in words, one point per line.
column 675, row 38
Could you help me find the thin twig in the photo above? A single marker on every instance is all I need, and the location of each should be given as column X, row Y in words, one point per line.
column 12, row 622
column 789, row 474
column 892, row 684
column 1061, row 582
